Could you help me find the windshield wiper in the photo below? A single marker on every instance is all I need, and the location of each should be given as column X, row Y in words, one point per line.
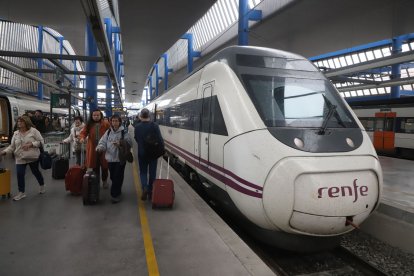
column 331, row 111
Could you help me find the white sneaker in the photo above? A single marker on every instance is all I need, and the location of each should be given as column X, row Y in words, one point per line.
column 105, row 184
column 42, row 189
column 19, row 196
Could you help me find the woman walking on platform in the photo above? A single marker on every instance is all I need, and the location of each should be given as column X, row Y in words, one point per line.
column 25, row 144
column 94, row 130
column 110, row 143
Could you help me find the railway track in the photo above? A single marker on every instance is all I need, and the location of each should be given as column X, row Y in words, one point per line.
column 339, row 261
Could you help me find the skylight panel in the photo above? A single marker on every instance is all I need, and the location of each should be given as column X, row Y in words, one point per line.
column 337, row 62
column 377, row 53
column 223, row 13
column 349, row 60
column 362, row 57
column 234, row 9
column 343, row 61
column 226, row 11
column 217, row 19
column 212, row 23
column 370, row 55
column 405, row 47
column 355, row 58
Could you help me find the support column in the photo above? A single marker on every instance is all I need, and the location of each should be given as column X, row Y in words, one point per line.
column 40, row 63
column 190, row 52
column 108, row 98
column 166, row 71
column 150, row 87
column 244, row 16
column 91, row 82
column 157, row 79
column 396, row 68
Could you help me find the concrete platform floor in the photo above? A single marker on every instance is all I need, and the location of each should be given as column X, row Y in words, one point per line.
column 54, row 234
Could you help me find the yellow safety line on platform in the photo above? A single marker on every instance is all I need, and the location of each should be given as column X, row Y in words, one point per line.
column 146, row 232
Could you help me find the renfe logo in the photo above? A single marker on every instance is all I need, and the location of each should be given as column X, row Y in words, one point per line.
column 343, row 191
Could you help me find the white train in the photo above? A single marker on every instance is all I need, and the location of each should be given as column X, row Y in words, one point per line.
column 11, row 107
column 266, row 133
column 389, row 124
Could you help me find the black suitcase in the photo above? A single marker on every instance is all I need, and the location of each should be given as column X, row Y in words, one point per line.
column 60, row 164
column 60, row 167
column 90, row 188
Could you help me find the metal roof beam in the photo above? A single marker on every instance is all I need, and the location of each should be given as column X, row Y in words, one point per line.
column 49, row 56
column 394, row 82
column 380, row 62
column 80, row 73
column 17, row 70
column 93, row 15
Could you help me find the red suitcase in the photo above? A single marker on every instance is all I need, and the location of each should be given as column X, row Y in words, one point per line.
column 74, row 179
column 74, row 176
column 163, row 190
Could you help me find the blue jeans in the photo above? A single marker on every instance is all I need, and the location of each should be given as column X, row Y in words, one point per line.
column 116, row 171
column 21, row 171
column 144, row 164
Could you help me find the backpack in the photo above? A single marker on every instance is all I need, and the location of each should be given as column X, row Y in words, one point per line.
column 124, row 151
column 153, row 146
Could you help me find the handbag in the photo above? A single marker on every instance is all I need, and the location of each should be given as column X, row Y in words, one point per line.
column 30, row 155
column 45, row 160
column 125, row 153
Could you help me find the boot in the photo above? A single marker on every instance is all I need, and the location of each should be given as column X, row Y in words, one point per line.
column 144, row 195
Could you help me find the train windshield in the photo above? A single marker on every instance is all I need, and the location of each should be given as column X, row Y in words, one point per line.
column 293, row 93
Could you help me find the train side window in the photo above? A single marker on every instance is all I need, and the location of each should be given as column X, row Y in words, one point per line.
column 407, row 125
column 379, row 124
column 389, row 124
column 368, row 123
column 205, row 117
column 218, row 126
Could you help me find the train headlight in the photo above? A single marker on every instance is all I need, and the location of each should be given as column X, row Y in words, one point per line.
column 350, row 142
column 299, row 143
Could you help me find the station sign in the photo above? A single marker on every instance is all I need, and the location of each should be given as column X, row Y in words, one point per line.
column 60, row 100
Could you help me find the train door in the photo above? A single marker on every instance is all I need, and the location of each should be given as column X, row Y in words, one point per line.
column 384, row 135
column 5, row 120
column 204, row 134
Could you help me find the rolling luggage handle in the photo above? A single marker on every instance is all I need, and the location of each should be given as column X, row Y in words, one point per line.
column 168, row 168
column 83, row 153
column 64, row 150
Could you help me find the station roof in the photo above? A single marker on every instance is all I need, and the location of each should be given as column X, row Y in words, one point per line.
column 149, row 28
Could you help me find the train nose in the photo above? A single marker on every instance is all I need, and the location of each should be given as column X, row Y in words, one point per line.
column 317, row 195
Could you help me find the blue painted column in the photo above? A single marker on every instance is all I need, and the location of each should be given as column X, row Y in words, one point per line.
column 146, row 96
column 150, row 87
column 396, row 68
column 61, row 46
column 74, row 100
column 40, row 63
column 108, row 98
column 190, row 52
column 157, row 79
column 166, row 71
column 91, row 82
column 244, row 16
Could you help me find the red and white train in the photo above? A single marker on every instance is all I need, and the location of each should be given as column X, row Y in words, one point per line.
column 13, row 106
column 389, row 124
column 266, row 133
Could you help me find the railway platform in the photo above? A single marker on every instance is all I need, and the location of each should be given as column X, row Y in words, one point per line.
column 393, row 221
column 54, row 234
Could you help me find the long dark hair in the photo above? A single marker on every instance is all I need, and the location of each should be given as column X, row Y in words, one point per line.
column 91, row 122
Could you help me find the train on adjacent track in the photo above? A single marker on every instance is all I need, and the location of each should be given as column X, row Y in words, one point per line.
column 390, row 125
column 266, row 133
column 12, row 106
